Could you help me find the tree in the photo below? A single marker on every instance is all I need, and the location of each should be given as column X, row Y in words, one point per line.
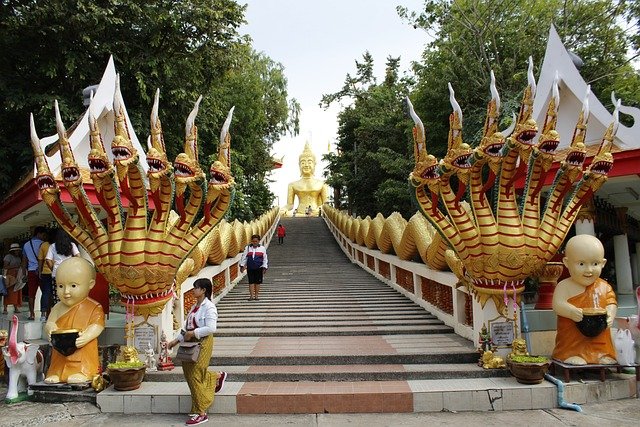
column 185, row 48
column 471, row 37
column 374, row 143
column 258, row 86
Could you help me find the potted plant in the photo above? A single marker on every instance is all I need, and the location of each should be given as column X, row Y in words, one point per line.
column 127, row 374
column 528, row 369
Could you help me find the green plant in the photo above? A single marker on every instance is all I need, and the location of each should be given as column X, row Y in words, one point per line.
column 125, row 365
column 528, row 359
column 114, row 293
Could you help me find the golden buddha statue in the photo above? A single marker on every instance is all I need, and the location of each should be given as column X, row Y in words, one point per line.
column 311, row 192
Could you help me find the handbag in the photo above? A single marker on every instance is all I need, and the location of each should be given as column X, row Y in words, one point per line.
column 188, row 351
column 625, row 350
column 21, row 281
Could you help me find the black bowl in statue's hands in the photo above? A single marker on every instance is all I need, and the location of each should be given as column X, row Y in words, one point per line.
column 64, row 341
column 594, row 321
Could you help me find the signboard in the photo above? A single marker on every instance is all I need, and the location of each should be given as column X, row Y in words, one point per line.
column 145, row 333
column 502, row 333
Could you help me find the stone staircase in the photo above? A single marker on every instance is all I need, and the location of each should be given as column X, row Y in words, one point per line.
column 325, row 336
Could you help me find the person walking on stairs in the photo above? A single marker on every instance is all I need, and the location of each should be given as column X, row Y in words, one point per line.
column 200, row 325
column 254, row 260
column 281, row 232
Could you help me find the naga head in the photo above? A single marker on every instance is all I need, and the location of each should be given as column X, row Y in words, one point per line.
column 220, row 170
column 456, row 161
column 186, row 166
column 577, row 152
column 526, row 127
column 70, row 170
column 425, row 171
column 550, row 138
column 490, row 148
column 44, row 178
column 602, row 162
column 99, row 164
column 159, row 165
column 124, row 153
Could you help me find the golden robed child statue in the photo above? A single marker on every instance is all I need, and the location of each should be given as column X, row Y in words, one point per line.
column 78, row 315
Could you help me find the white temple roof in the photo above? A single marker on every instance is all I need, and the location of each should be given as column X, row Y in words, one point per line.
column 102, row 107
column 572, row 90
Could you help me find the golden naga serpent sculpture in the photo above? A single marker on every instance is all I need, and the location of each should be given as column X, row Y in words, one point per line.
column 476, row 224
column 139, row 252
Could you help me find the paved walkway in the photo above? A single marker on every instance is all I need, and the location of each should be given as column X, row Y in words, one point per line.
column 618, row 413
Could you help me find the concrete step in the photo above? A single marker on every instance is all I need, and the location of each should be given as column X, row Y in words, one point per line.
column 304, row 316
column 309, row 397
column 392, row 359
column 332, row 331
column 257, row 306
column 266, row 304
column 345, row 372
column 297, row 322
column 345, row 323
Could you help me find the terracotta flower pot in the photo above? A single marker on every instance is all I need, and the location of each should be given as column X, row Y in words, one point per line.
column 528, row 372
column 125, row 379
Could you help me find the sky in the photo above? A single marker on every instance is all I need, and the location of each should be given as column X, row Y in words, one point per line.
column 318, row 43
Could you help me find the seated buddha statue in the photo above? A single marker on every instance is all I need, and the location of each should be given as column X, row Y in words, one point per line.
column 310, row 191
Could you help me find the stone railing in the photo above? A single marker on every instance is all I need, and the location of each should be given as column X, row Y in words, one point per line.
column 431, row 289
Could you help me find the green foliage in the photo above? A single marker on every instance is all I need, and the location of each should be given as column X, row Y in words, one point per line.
column 126, row 365
column 186, row 48
column 374, row 144
column 528, row 359
column 471, row 37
